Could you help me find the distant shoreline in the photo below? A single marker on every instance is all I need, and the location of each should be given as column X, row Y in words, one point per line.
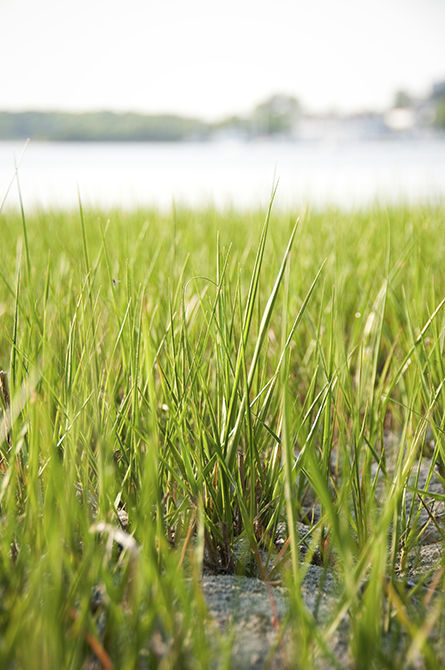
column 264, row 123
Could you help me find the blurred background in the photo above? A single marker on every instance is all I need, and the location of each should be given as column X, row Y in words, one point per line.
column 210, row 103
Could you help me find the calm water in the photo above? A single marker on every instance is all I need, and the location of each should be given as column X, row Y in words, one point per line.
column 231, row 173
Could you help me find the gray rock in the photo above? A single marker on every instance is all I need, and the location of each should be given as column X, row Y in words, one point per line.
column 254, row 612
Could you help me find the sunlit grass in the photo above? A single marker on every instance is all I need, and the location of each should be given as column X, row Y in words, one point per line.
column 182, row 385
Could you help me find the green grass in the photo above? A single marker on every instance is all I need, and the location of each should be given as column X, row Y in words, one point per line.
column 209, row 373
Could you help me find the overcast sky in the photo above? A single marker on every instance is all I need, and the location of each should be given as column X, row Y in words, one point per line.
column 207, row 58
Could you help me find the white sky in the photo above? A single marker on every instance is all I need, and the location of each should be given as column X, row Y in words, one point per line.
column 211, row 58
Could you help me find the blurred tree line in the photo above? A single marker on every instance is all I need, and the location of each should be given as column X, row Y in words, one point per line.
column 98, row 126
column 274, row 116
column 439, row 99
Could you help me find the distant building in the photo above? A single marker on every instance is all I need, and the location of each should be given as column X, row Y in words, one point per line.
column 400, row 118
column 281, row 118
column 333, row 127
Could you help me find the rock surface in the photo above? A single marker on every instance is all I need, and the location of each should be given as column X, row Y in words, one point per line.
column 253, row 611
